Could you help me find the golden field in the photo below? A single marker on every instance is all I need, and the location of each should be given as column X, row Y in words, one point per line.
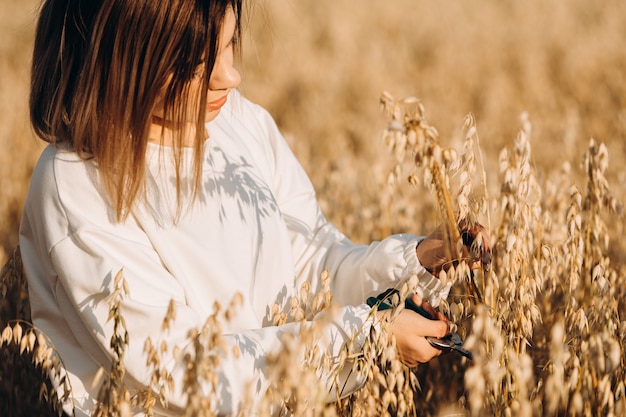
column 320, row 66
column 551, row 332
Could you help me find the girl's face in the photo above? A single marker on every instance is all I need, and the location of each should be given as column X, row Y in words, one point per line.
column 223, row 79
column 224, row 76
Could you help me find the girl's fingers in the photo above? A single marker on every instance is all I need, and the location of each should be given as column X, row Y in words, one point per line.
column 429, row 308
column 424, row 352
column 432, row 328
column 410, row 330
column 436, row 316
column 477, row 246
column 441, row 316
column 417, row 299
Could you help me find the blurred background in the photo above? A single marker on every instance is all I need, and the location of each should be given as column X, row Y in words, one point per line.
column 319, row 66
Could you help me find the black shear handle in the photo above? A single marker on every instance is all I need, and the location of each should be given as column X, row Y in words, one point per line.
column 384, row 302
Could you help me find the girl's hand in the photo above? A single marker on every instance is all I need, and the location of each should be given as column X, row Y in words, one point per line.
column 410, row 329
column 435, row 256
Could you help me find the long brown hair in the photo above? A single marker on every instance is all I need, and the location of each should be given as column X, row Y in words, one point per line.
column 98, row 68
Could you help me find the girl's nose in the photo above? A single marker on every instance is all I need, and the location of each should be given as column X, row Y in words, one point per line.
column 224, row 76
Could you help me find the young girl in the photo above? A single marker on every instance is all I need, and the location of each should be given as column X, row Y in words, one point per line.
column 158, row 167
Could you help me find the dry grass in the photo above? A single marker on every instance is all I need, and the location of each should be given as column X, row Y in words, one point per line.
column 28, row 364
column 549, row 336
column 16, row 138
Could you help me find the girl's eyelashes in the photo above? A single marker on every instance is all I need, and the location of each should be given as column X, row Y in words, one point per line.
column 199, row 67
column 233, row 41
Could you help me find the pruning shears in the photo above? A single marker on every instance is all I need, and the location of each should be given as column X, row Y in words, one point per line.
column 447, row 343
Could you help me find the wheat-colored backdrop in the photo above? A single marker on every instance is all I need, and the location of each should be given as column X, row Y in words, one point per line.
column 319, row 66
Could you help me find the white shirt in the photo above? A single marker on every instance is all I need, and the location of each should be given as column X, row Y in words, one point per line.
column 255, row 229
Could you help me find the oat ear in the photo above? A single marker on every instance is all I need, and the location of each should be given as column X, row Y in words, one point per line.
column 30, row 367
column 14, row 303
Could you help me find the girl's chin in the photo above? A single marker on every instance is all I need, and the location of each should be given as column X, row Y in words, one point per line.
column 210, row 115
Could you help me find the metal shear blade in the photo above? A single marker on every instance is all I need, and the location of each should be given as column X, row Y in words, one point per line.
column 450, row 342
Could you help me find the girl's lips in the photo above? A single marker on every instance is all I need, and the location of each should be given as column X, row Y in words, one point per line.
column 217, row 104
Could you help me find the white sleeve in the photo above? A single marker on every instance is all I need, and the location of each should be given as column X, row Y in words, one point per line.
column 357, row 271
